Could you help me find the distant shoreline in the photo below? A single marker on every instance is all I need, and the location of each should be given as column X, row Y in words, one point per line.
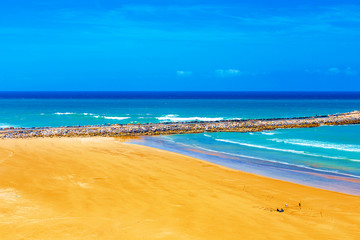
column 149, row 129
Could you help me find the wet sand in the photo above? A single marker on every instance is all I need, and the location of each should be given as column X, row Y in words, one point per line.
column 102, row 188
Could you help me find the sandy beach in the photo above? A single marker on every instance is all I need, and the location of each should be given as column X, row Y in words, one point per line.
column 105, row 188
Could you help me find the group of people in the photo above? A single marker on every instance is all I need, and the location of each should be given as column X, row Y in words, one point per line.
column 286, row 205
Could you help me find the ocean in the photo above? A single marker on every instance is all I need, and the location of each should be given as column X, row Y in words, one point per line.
column 327, row 157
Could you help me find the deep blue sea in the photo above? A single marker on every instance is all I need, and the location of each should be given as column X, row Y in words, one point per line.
column 326, row 157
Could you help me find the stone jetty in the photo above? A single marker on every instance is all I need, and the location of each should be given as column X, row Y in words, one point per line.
column 149, row 129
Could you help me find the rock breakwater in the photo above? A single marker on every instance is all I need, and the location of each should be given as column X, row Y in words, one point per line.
column 250, row 125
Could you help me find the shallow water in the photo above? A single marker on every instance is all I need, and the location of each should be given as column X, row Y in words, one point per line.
column 327, row 157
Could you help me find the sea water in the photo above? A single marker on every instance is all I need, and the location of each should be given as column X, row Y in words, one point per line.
column 326, row 157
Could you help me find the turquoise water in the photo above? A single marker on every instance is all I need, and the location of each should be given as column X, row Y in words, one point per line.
column 327, row 157
column 66, row 112
column 331, row 149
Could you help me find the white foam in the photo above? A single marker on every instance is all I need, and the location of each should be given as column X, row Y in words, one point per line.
column 268, row 133
column 273, row 161
column 92, row 115
column 232, row 154
column 319, row 144
column 206, row 135
column 263, row 159
column 5, row 126
column 287, row 150
column 116, row 118
column 175, row 118
column 278, row 162
column 64, row 113
column 258, row 146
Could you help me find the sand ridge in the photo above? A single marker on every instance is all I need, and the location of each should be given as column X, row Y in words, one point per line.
column 102, row 188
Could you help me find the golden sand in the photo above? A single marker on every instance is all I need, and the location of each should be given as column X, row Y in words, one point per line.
column 101, row 188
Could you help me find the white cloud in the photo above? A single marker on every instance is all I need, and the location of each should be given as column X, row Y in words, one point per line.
column 182, row 73
column 347, row 71
column 227, row 72
column 350, row 71
column 334, row 70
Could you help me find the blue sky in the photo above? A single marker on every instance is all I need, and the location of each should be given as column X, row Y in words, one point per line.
column 180, row 45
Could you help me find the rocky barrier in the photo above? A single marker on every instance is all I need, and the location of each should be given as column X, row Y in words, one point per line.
column 251, row 125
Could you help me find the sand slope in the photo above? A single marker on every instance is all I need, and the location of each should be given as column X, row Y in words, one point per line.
column 101, row 188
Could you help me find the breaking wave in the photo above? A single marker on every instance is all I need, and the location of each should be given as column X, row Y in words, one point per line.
column 287, row 150
column 319, row 144
column 176, row 118
column 5, row 125
column 273, row 161
column 92, row 115
column 268, row 133
column 259, row 146
column 116, row 118
column 64, row 113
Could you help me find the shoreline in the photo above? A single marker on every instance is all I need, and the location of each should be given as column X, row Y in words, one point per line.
column 76, row 188
column 154, row 129
column 312, row 177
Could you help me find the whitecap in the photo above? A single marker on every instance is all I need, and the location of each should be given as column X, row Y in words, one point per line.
column 259, row 146
column 268, row 133
column 92, row 115
column 320, row 144
column 116, row 118
column 175, row 118
column 5, row 126
column 287, row 150
column 89, row 114
column 64, row 113
column 274, row 161
column 279, row 162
